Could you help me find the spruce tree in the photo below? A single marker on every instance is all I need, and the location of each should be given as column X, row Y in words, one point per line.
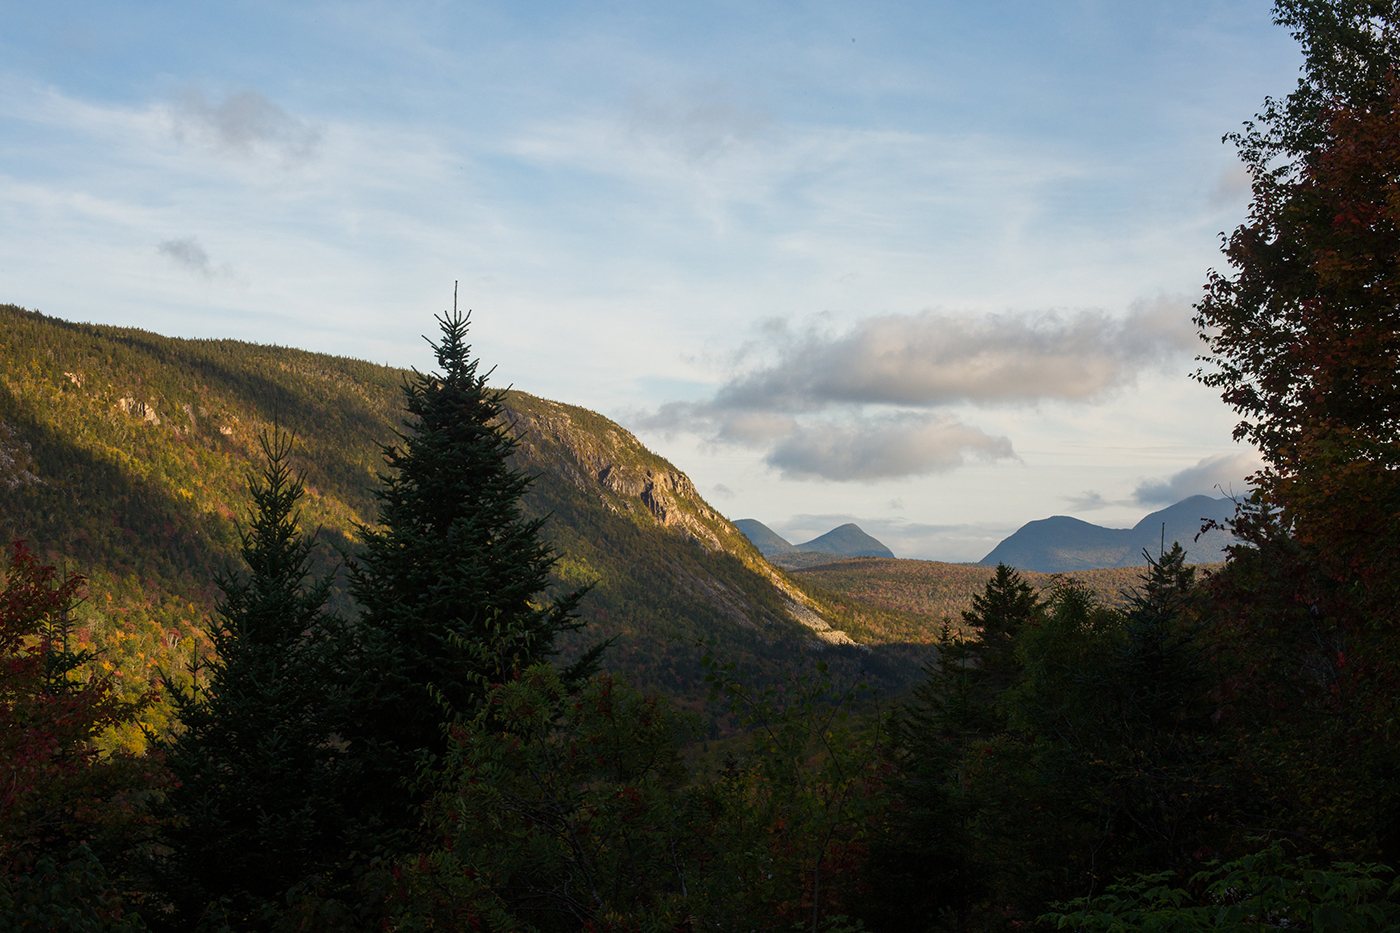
column 1004, row 607
column 926, row 863
column 260, row 770
column 450, row 581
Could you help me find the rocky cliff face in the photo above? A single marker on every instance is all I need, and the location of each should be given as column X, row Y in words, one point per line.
column 610, row 459
column 605, row 463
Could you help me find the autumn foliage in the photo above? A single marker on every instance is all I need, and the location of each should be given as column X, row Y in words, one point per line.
column 55, row 789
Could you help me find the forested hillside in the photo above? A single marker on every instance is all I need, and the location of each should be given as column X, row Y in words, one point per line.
column 125, row 457
column 1206, row 751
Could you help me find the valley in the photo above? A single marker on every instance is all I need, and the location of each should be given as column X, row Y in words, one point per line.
column 126, row 455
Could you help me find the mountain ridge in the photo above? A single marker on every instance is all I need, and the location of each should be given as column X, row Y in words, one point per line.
column 1062, row 543
column 846, row 540
column 124, row 456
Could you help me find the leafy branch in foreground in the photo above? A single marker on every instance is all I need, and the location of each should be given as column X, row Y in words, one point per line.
column 1263, row 891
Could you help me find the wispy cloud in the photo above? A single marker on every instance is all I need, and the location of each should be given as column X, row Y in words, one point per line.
column 1223, row 474
column 187, row 253
column 243, row 124
column 701, row 124
column 1231, row 187
column 1087, row 501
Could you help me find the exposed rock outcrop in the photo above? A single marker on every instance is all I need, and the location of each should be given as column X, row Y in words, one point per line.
column 603, row 459
column 614, row 460
column 16, row 460
column 141, row 410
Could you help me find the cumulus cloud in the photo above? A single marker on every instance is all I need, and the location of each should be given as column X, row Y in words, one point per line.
column 920, row 361
column 937, row 358
column 904, row 444
column 243, row 124
column 1223, row 474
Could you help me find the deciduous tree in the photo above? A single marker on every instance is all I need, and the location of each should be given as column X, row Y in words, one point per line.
column 61, row 801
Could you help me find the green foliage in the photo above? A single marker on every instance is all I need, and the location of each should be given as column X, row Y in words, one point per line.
column 1304, row 336
column 257, row 806
column 794, row 813
column 931, row 591
column 563, row 810
column 1030, row 766
column 74, row 896
column 926, row 866
column 1263, row 891
column 1006, row 606
column 928, row 862
column 566, row 809
column 448, row 580
column 125, row 452
column 147, row 510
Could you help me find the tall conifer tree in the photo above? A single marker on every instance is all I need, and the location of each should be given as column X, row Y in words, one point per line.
column 259, row 768
column 450, row 580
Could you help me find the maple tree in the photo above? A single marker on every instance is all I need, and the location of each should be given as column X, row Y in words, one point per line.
column 1305, row 335
column 58, row 794
column 1304, row 338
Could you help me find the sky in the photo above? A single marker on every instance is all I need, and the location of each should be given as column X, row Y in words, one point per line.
column 927, row 267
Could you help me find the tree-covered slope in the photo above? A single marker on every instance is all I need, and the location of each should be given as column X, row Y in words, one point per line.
column 124, row 455
column 933, row 589
column 847, row 540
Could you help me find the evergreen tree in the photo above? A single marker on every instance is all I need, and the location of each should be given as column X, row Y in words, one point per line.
column 260, row 769
column 927, row 867
column 450, row 580
column 1007, row 604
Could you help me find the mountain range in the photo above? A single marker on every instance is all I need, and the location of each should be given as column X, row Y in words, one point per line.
column 844, row 541
column 1060, row 543
column 124, row 455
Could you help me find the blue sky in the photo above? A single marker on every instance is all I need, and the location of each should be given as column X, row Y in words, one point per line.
column 927, row 267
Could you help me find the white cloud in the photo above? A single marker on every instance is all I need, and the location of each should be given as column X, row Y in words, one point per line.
column 806, row 400
column 937, row 358
column 1223, row 474
column 701, row 124
column 905, row 444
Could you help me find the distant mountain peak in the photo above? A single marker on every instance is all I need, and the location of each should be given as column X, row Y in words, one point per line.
column 768, row 541
column 1060, row 544
column 847, row 540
